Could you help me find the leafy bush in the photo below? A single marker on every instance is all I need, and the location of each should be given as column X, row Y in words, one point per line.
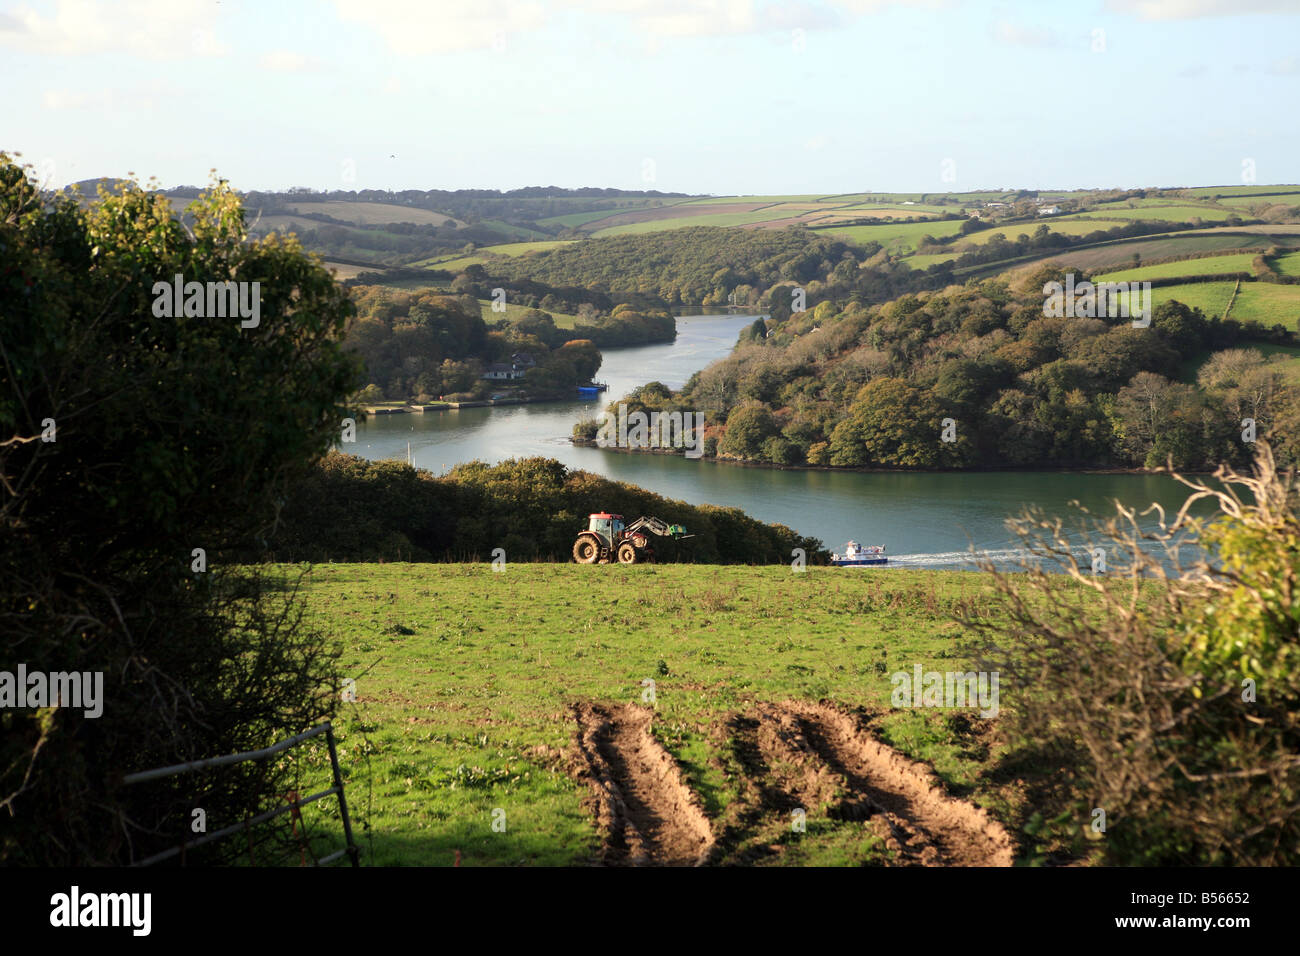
column 1173, row 703
column 166, row 435
column 351, row 509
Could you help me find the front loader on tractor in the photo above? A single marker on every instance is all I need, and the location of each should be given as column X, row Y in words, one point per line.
column 607, row 538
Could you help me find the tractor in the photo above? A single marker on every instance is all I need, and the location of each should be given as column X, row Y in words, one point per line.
column 608, row 538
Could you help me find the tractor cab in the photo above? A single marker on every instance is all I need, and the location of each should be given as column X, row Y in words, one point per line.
column 607, row 526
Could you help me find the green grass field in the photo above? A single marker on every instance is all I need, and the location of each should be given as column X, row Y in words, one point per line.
column 1209, row 265
column 1209, row 192
column 466, row 679
column 1264, row 302
column 513, row 233
column 372, row 213
column 713, row 219
column 1162, row 211
column 579, row 218
column 1288, row 264
column 898, row 237
column 1119, row 255
column 1268, row 304
column 1212, row 298
column 456, row 263
column 716, row 200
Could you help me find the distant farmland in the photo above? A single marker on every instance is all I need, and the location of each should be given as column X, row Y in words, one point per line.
column 1161, row 211
column 1288, row 265
column 1264, row 302
column 1208, row 265
column 373, row 213
column 897, row 237
column 487, row 253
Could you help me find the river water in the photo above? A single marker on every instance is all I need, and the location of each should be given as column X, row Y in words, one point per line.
column 923, row 519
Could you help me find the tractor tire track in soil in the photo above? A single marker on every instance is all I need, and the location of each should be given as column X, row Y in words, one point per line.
column 815, row 754
column 643, row 805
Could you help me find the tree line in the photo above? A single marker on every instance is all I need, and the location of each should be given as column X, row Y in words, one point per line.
column 353, row 509
column 424, row 345
column 979, row 377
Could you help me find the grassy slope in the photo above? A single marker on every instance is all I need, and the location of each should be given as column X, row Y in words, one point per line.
column 1210, row 297
column 455, row 263
column 1163, row 211
column 1268, row 304
column 713, row 219
column 464, row 678
column 1288, row 265
column 563, row 320
column 373, row 213
column 1066, row 227
column 1210, row 265
column 896, row 237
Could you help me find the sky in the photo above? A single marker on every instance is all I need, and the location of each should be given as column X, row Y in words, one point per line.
column 700, row 96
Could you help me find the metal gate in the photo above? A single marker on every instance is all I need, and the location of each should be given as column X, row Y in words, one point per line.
column 180, row 768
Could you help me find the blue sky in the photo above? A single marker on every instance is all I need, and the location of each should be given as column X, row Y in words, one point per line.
column 701, row 96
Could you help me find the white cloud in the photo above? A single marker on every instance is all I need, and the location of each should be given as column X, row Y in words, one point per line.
column 287, row 61
column 697, row 18
column 150, row 29
column 1190, row 9
column 1014, row 34
column 76, row 99
column 415, row 27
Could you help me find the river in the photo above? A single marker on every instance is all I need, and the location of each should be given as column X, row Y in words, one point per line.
column 923, row 519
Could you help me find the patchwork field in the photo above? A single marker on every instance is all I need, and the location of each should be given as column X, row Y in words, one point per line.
column 1115, row 255
column 713, row 701
column 848, row 216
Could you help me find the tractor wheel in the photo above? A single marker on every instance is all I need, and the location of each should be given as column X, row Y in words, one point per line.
column 586, row 550
column 627, row 553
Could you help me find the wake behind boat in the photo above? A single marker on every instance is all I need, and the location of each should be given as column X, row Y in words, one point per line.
column 855, row 555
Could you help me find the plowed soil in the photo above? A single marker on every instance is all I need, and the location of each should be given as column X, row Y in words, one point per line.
column 795, row 754
column 648, row 814
column 817, row 755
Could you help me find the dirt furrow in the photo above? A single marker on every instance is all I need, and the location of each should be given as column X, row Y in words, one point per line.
column 649, row 816
column 836, row 761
